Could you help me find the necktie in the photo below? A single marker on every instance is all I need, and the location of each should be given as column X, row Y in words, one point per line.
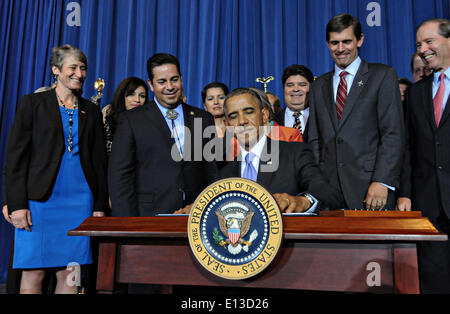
column 439, row 100
column 173, row 115
column 249, row 171
column 341, row 96
column 297, row 123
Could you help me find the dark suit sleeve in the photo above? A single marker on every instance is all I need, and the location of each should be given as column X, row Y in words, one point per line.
column 122, row 170
column 312, row 129
column 212, row 168
column 18, row 156
column 405, row 176
column 311, row 180
column 391, row 131
column 99, row 161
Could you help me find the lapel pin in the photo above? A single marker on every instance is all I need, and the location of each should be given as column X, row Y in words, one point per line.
column 83, row 112
column 360, row 83
column 192, row 113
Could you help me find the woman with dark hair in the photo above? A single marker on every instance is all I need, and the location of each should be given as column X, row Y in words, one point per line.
column 213, row 96
column 55, row 175
column 131, row 93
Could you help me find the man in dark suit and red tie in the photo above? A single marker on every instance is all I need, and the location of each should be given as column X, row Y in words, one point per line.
column 356, row 122
column 428, row 125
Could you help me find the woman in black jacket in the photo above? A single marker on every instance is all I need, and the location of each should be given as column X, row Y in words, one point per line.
column 55, row 175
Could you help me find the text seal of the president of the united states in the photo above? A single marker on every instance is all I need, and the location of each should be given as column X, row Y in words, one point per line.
column 235, row 228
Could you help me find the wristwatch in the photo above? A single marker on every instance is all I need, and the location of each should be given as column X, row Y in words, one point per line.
column 309, row 198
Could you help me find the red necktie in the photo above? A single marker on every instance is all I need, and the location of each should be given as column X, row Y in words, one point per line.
column 439, row 100
column 341, row 96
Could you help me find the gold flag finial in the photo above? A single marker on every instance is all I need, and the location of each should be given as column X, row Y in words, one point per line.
column 265, row 81
column 98, row 85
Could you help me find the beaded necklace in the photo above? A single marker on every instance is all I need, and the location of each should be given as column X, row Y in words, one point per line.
column 70, row 114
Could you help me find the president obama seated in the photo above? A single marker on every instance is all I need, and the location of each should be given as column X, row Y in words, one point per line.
column 285, row 169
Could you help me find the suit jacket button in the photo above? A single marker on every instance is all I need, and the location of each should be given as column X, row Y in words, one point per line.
column 440, row 167
column 339, row 140
column 340, row 165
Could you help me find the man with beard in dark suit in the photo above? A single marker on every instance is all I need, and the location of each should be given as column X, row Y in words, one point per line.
column 285, row 169
column 428, row 126
column 153, row 168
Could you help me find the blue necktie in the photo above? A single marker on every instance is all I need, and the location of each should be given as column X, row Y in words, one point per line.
column 249, row 171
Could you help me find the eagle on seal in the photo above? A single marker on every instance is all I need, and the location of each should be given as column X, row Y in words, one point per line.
column 235, row 228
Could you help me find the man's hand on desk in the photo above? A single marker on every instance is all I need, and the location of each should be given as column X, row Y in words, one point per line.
column 291, row 204
column 185, row 210
column 376, row 196
column 404, row 204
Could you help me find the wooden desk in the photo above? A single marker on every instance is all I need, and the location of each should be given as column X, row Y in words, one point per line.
column 360, row 254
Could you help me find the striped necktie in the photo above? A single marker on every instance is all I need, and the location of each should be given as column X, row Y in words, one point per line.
column 341, row 96
column 297, row 123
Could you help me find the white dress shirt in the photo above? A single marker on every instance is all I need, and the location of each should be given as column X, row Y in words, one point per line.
column 352, row 69
column 289, row 119
column 179, row 125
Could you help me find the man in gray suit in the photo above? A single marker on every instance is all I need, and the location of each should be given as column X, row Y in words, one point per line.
column 356, row 122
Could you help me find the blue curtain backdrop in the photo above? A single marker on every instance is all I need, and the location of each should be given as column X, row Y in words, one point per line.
column 233, row 41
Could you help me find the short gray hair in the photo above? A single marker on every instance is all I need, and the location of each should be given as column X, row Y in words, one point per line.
column 60, row 53
column 42, row 89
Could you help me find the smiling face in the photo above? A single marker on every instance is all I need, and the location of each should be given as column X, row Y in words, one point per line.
column 296, row 90
column 432, row 47
column 72, row 73
column 166, row 85
column 243, row 112
column 214, row 99
column 344, row 46
column 135, row 98
column 420, row 69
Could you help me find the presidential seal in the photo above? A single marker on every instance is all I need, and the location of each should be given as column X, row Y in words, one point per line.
column 235, row 228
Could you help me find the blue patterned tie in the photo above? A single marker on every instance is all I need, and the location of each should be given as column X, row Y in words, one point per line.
column 249, row 171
